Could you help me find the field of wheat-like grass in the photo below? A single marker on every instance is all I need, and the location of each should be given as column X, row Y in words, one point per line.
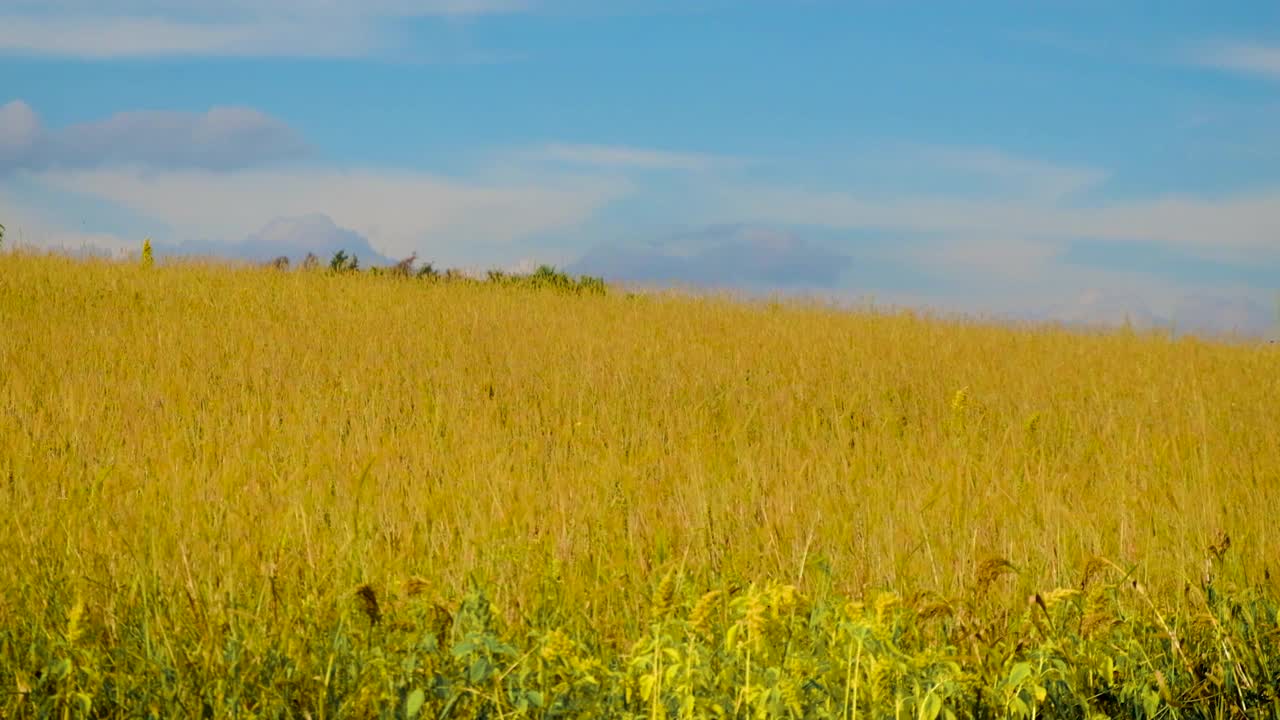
column 253, row 493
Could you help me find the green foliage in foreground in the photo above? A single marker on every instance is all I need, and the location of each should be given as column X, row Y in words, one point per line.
column 548, row 278
column 545, row 277
column 761, row 652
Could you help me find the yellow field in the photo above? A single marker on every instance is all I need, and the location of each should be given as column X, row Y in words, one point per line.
column 242, row 445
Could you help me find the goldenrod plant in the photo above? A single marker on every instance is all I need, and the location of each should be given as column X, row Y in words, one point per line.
column 241, row 492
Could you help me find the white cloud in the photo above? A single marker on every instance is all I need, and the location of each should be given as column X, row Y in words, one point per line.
column 301, row 28
column 399, row 212
column 1258, row 59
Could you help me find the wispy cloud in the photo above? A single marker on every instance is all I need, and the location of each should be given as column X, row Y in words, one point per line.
column 296, row 28
column 993, row 257
column 19, row 131
column 1236, row 227
column 399, row 212
column 622, row 157
column 403, row 8
column 125, row 37
column 1012, row 172
column 33, row 226
column 1244, row 57
column 223, row 138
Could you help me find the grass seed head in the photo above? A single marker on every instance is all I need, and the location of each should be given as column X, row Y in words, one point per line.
column 664, row 596
column 1092, row 567
column 700, row 616
column 1220, row 545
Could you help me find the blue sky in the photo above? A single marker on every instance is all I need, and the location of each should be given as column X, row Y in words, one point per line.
column 1082, row 160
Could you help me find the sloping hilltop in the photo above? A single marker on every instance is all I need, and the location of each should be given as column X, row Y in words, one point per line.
column 246, row 492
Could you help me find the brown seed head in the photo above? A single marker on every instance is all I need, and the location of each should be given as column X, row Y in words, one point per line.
column 369, row 603
column 991, row 569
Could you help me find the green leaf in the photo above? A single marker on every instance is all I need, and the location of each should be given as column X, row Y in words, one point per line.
column 60, row 669
column 479, row 671
column 413, row 705
column 931, row 707
column 1151, row 702
column 1019, row 674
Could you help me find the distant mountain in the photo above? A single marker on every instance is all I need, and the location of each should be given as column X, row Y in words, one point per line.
column 1192, row 314
column 291, row 237
column 1105, row 309
column 1200, row 314
column 741, row 256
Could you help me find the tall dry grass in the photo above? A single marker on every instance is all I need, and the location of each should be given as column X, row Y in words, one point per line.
column 209, row 429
